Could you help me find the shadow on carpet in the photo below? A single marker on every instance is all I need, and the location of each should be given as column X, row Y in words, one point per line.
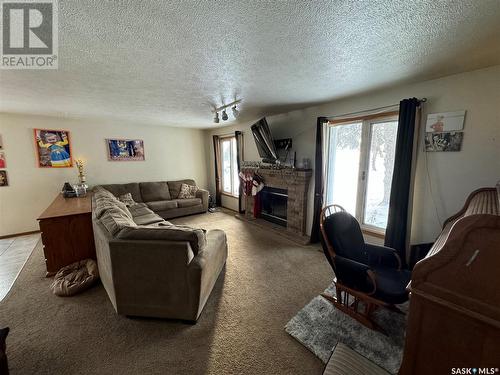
column 319, row 326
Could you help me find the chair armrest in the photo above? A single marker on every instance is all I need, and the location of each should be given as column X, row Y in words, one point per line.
column 354, row 275
column 383, row 255
column 203, row 194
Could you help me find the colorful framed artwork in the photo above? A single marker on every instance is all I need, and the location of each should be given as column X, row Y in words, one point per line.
column 3, row 163
column 445, row 122
column 53, row 148
column 448, row 141
column 3, row 179
column 125, row 149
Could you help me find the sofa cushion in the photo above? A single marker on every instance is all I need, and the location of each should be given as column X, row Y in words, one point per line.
column 167, row 232
column 175, row 187
column 147, row 219
column 187, row 191
column 188, row 202
column 114, row 219
column 139, row 209
column 162, row 205
column 122, row 189
column 154, row 191
column 104, row 200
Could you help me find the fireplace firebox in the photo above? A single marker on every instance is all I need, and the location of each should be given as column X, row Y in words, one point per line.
column 274, row 205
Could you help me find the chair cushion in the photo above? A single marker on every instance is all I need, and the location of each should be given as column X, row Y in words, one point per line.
column 391, row 284
column 175, row 187
column 154, row 191
column 162, row 205
column 344, row 233
column 122, row 189
column 188, row 202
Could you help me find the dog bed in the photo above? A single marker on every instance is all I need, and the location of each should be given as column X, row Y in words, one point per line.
column 75, row 278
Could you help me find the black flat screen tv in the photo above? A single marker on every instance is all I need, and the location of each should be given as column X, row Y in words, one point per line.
column 264, row 141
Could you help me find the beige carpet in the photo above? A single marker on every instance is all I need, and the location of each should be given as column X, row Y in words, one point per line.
column 267, row 280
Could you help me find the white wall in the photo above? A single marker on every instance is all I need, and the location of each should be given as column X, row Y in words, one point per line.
column 170, row 153
column 453, row 174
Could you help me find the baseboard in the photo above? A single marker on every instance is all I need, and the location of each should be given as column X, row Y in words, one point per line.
column 19, row 234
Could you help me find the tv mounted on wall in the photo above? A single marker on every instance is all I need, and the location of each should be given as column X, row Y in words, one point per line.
column 264, row 141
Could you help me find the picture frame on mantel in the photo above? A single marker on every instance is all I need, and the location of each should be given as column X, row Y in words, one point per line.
column 125, row 149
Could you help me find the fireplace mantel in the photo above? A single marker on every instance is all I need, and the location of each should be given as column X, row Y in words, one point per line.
column 296, row 181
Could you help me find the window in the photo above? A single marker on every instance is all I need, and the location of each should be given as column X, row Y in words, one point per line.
column 360, row 164
column 229, row 166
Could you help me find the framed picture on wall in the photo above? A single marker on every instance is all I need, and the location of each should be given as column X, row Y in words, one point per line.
column 445, row 122
column 53, row 148
column 448, row 141
column 3, row 179
column 3, row 163
column 1, row 142
column 125, row 149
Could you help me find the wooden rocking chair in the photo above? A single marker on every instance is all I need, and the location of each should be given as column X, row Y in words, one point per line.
column 366, row 276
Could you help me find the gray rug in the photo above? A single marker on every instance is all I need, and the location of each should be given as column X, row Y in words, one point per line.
column 319, row 326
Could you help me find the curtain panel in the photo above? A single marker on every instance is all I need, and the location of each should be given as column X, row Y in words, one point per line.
column 239, row 160
column 397, row 231
column 319, row 177
column 218, row 172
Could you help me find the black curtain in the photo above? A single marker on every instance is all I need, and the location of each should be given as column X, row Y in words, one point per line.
column 318, row 181
column 395, row 234
column 218, row 172
column 239, row 158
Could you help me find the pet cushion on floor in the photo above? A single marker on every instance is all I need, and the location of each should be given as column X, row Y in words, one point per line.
column 75, row 278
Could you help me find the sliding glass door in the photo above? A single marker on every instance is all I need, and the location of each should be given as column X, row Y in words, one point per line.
column 360, row 167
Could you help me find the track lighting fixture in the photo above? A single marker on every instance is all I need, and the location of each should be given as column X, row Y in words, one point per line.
column 224, row 115
column 236, row 113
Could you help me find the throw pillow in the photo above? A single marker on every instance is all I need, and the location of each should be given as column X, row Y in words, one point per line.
column 188, row 191
column 127, row 199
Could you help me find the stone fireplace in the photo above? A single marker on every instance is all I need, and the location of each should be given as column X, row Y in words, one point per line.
column 285, row 189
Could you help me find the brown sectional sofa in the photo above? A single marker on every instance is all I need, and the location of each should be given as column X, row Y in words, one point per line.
column 148, row 266
column 162, row 197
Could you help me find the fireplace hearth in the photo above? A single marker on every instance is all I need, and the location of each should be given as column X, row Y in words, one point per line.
column 274, row 205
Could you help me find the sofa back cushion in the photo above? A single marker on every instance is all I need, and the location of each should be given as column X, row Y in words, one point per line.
column 114, row 219
column 104, row 200
column 175, row 187
column 121, row 189
column 167, row 232
column 154, row 191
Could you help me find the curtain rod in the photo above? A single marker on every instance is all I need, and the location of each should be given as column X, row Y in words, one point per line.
column 423, row 100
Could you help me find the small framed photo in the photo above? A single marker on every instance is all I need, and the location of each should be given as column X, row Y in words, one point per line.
column 125, row 149
column 53, row 148
column 3, row 163
column 448, row 141
column 445, row 122
column 3, row 179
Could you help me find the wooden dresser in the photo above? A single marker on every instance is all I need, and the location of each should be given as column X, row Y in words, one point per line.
column 454, row 317
column 67, row 235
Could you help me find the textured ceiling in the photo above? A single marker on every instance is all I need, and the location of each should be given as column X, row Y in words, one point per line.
column 164, row 62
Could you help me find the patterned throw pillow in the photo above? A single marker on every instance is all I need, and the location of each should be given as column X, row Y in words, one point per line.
column 127, row 199
column 187, row 191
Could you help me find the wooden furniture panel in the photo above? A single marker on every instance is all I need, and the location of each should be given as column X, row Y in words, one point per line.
column 454, row 317
column 67, row 234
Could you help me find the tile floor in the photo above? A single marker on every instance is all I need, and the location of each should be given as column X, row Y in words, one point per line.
column 14, row 252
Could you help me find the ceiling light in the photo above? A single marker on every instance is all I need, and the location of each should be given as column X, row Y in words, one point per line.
column 216, row 117
column 236, row 113
column 224, row 115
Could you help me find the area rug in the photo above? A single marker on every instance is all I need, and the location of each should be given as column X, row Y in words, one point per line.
column 319, row 326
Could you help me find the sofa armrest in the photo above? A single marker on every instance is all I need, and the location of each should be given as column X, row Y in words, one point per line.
column 203, row 194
